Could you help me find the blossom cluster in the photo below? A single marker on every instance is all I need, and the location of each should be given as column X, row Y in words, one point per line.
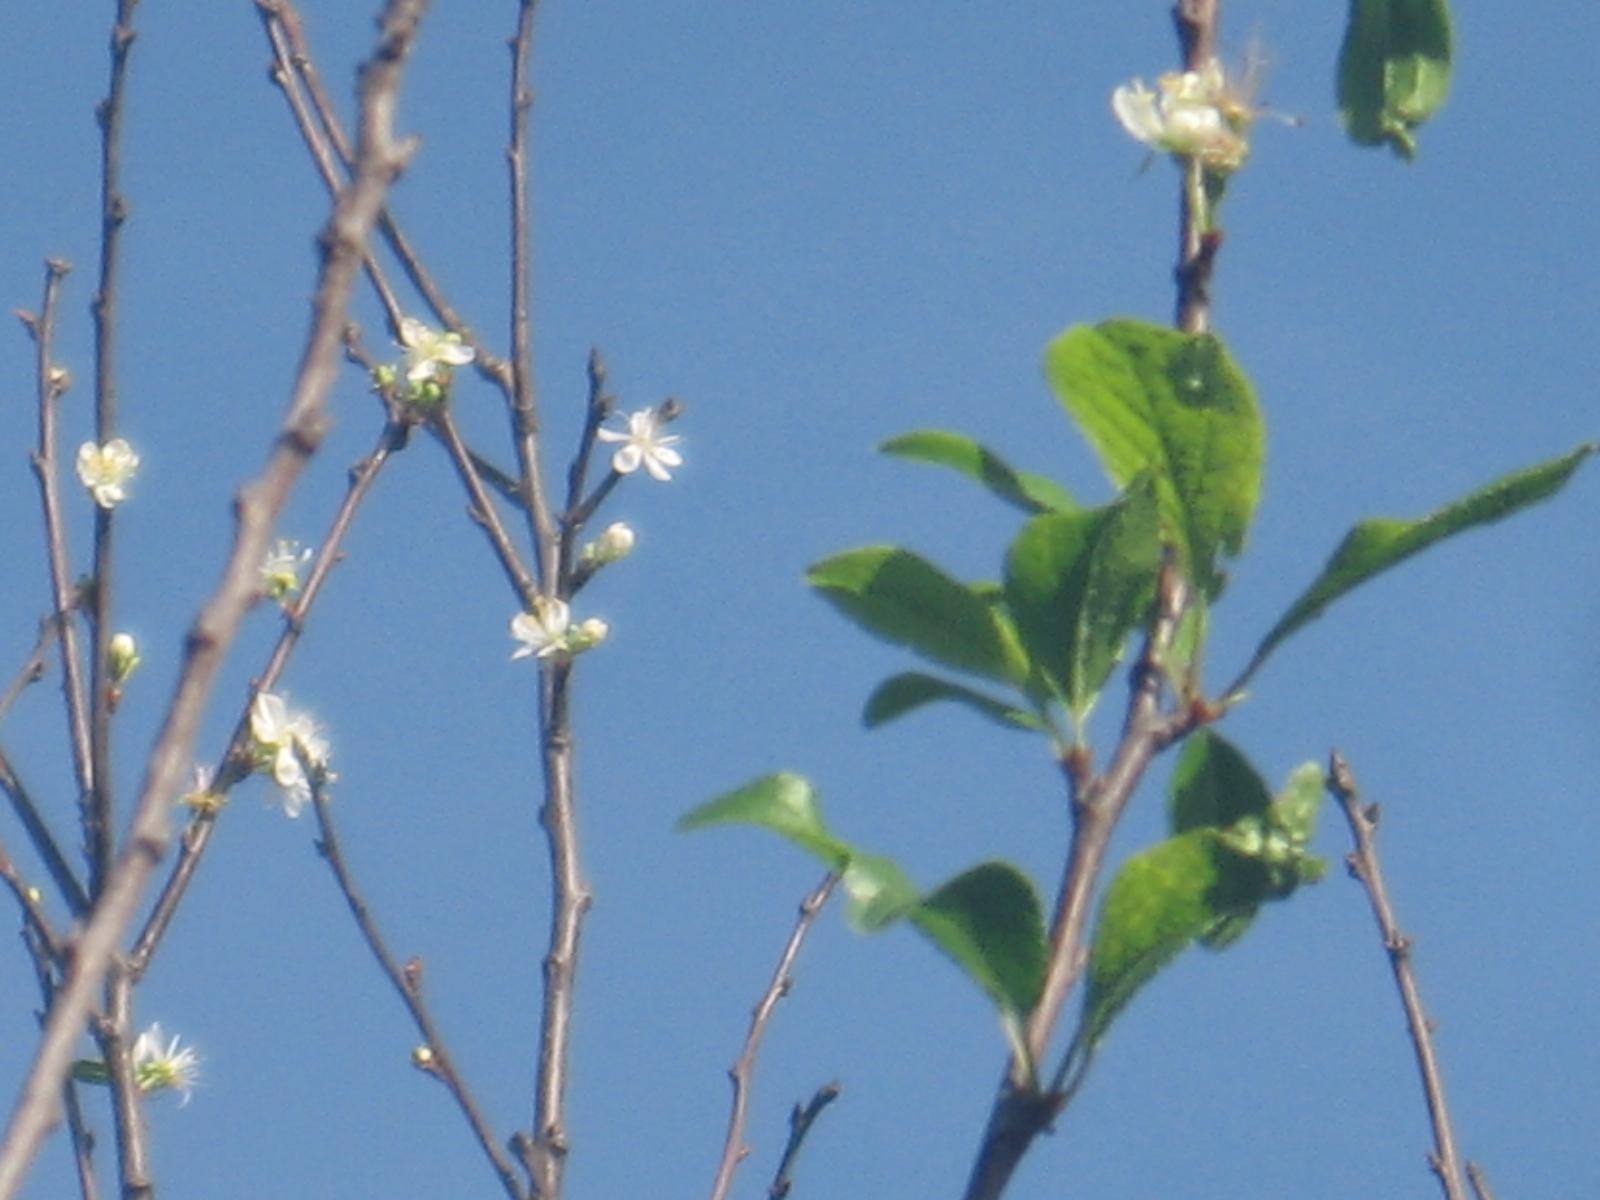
column 548, row 630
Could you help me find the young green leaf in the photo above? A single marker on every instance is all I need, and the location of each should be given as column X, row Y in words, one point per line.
column 880, row 892
column 1213, row 785
column 785, row 804
column 900, row 694
column 1153, row 399
column 1375, row 545
column 989, row 920
column 1078, row 583
column 1027, row 491
column 1204, row 884
column 1394, row 70
column 1160, row 901
column 904, row 599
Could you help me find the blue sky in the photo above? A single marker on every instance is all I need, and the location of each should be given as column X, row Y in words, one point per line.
column 820, row 226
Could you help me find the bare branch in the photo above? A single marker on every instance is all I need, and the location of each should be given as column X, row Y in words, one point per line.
column 113, row 215
column 228, row 770
column 733, row 1148
column 1198, row 240
column 434, row 1057
column 379, row 161
column 44, row 841
column 292, row 52
column 33, row 668
column 1365, row 868
column 53, row 382
column 800, row 1122
column 524, row 398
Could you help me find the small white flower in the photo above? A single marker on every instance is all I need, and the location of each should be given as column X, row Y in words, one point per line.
column 1192, row 114
column 614, row 544
column 643, row 444
column 285, row 744
column 280, row 569
column 158, row 1068
column 543, row 631
column 107, row 470
column 200, row 795
column 427, row 350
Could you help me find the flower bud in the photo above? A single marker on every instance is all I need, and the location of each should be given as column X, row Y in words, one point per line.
column 123, row 653
column 614, row 544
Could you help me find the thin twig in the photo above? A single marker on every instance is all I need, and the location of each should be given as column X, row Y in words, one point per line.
column 407, row 981
column 524, row 397
column 1365, row 868
column 1479, row 1182
column 288, row 72
column 83, row 1138
column 293, row 52
column 800, row 1122
column 114, row 1034
column 35, row 923
column 53, row 382
column 33, row 668
column 1022, row 1111
column 483, row 510
column 1198, row 239
column 44, row 842
column 574, row 513
column 379, row 162
column 113, row 215
column 733, row 1148
column 198, row 834
column 546, row 1151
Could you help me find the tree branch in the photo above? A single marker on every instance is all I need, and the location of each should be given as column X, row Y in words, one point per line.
column 733, row 1148
column 1365, row 868
column 379, row 161
column 53, row 382
column 407, row 981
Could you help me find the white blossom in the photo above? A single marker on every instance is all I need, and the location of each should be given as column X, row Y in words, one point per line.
column 543, row 631
column 280, row 568
column 158, row 1068
column 428, row 350
column 548, row 630
column 1192, row 114
column 107, row 470
column 643, row 444
column 285, row 744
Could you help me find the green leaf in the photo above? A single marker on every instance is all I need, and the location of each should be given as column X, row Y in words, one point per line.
column 1029, row 492
column 880, row 892
column 1160, row 901
column 1394, row 70
column 1077, row 584
column 1203, row 884
column 904, row 599
column 1375, row 545
column 1213, row 785
column 900, row 694
column 1153, row 399
column 989, row 921
column 785, row 804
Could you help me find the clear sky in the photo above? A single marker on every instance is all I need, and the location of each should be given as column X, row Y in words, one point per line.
column 819, row 226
